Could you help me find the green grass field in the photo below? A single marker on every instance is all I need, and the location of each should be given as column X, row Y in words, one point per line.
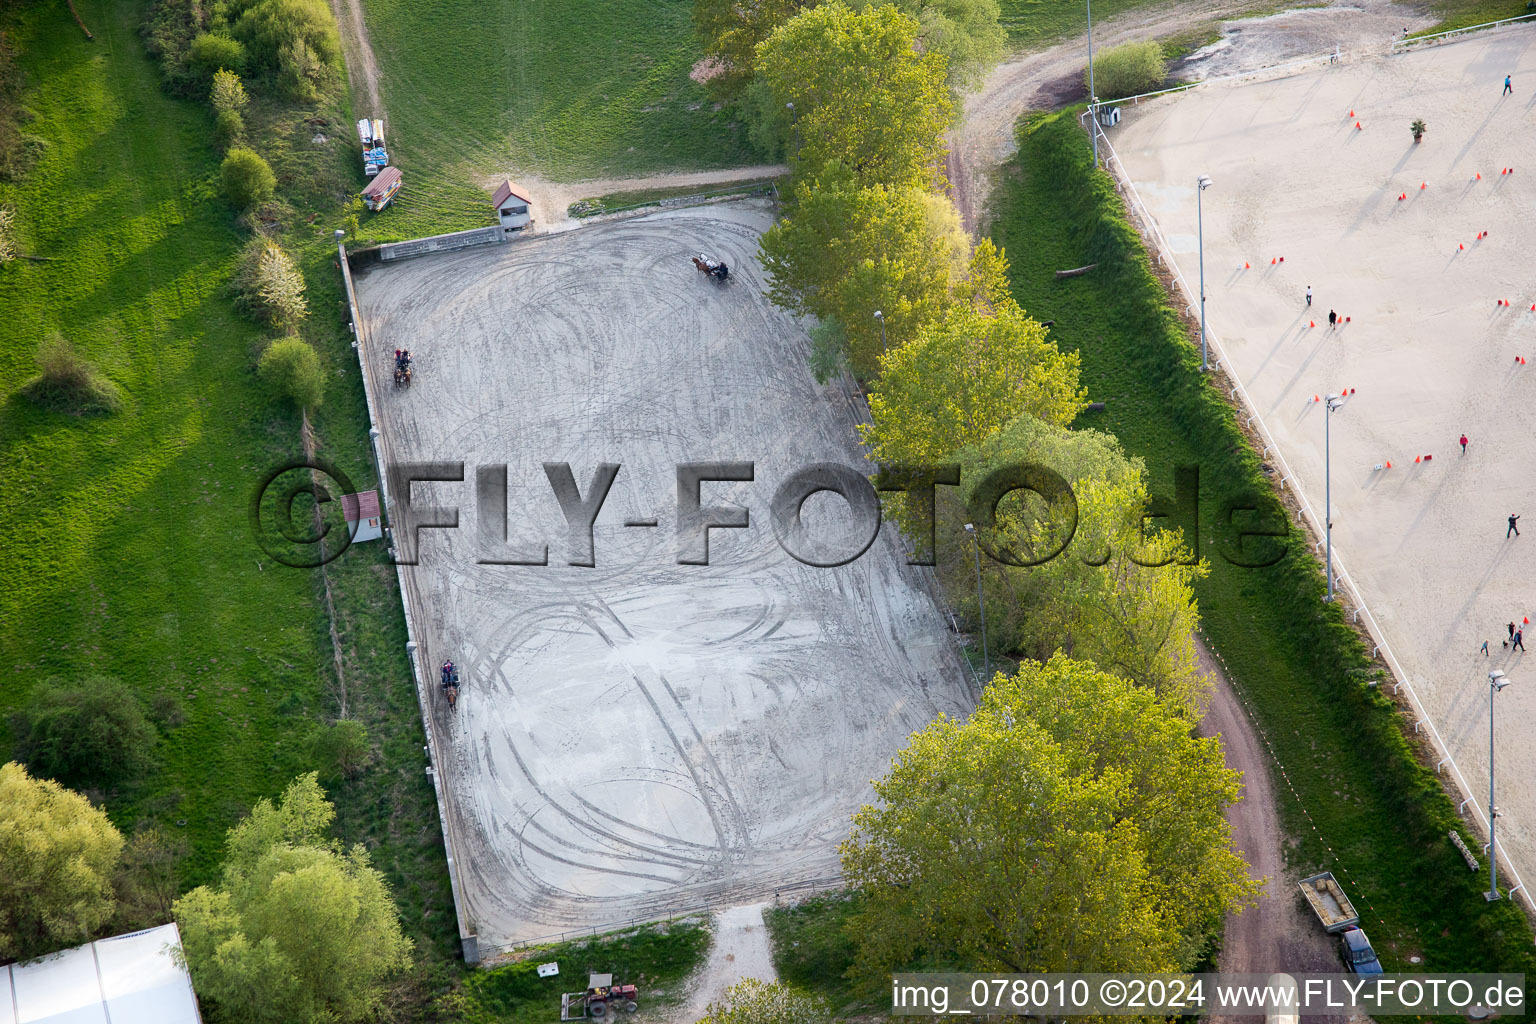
column 1362, row 796
column 567, row 90
column 127, row 550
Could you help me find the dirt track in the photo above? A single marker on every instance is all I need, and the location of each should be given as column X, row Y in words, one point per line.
column 362, row 66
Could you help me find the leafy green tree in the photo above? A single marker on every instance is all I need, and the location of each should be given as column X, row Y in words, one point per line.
column 247, row 179
column 863, row 96
column 966, row 33
column 963, row 378
column 841, row 252
column 1129, row 69
column 299, row 931
column 1072, row 823
column 751, row 1001
column 296, row 41
column 57, row 855
column 291, row 369
column 730, row 30
column 94, row 733
column 1120, row 593
column 211, row 53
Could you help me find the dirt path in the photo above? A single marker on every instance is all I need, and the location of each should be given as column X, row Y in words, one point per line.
column 362, row 66
column 1052, row 77
column 1276, row 934
column 740, row 950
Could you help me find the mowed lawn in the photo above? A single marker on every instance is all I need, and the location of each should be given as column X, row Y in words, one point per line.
column 567, row 89
column 125, row 548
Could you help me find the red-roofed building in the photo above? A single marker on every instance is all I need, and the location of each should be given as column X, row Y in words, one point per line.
column 511, row 202
column 362, row 514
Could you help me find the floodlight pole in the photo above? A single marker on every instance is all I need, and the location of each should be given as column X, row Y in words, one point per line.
column 1496, row 682
column 884, row 347
column 1201, row 184
column 1093, row 97
column 986, row 662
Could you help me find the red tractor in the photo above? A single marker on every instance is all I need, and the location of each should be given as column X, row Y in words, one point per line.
column 601, row 996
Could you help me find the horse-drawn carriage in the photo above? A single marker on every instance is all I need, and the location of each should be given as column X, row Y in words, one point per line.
column 402, row 368
column 716, row 269
column 451, row 684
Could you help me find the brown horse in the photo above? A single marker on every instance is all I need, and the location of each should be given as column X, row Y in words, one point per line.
column 714, row 268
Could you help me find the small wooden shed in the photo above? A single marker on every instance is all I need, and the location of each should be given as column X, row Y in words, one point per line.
column 511, row 202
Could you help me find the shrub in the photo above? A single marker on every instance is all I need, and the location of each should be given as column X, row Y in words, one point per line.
column 227, row 92
column 248, row 180
column 1128, row 70
column 68, row 382
column 270, row 287
column 211, row 53
column 303, row 75
column 94, row 733
column 229, row 126
column 292, row 370
column 8, row 250
column 340, row 749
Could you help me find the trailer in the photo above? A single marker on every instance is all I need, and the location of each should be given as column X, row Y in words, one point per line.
column 1329, row 903
column 370, row 132
column 382, row 188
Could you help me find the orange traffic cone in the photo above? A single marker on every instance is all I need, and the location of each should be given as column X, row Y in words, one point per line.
column 1272, row 261
column 1417, row 459
column 1313, row 323
column 1479, row 176
column 1423, row 185
column 1389, row 463
column 1249, row 266
column 1460, row 247
column 1357, row 126
column 1351, row 113
column 1317, row 398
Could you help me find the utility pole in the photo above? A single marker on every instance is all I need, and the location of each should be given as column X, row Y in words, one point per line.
column 1201, row 184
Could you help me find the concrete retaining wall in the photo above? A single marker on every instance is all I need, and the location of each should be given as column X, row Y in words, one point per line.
column 443, row 243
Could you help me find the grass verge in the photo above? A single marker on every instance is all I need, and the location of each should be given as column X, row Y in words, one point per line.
column 1456, row 14
column 125, row 548
column 1365, row 807
column 656, row 958
column 615, row 201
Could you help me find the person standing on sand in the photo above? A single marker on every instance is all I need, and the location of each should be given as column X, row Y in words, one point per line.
column 1463, row 444
column 1333, row 319
column 1508, row 89
column 1309, row 296
column 1513, row 529
column 1511, row 634
column 1485, row 648
column 1519, row 641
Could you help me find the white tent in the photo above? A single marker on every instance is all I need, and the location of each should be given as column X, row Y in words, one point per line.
column 127, row 979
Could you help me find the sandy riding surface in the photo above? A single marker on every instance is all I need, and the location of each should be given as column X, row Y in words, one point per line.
column 636, row 738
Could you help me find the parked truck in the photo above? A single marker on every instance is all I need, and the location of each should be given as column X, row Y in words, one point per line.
column 370, row 132
column 1338, row 917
